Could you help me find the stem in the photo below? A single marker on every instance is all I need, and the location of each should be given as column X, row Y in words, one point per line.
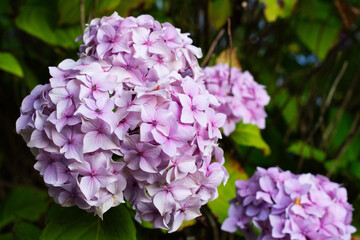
column 91, row 14
column 82, row 14
column 322, row 113
column 207, row 212
column 212, row 47
column 249, row 233
column 341, row 110
column 231, row 48
column 352, row 133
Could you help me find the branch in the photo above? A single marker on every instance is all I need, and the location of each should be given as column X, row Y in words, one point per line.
column 82, row 14
column 231, row 48
column 353, row 131
column 341, row 110
column 207, row 212
column 328, row 99
column 212, row 47
column 322, row 113
column 91, row 14
column 249, row 233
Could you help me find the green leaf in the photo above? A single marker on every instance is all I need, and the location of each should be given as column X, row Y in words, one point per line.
column 5, row 6
column 355, row 169
column 278, row 9
column 126, row 7
column 221, row 205
column 69, row 11
column 6, row 236
column 76, row 224
column 249, row 135
column 23, row 203
column 340, row 131
column 105, row 6
column 30, row 79
column 219, row 11
column 319, row 37
column 290, row 112
column 317, row 26
column 9, row 64
column 348, row 161
column 40, row 22
column 307, row 151
column 28, row 231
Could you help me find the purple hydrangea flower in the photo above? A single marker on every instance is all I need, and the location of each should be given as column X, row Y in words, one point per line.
column 288, row 206
column 241, row 98
column 129, row 120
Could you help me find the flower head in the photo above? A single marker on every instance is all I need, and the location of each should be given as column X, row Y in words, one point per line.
column 288, row 206
column 121, row 123
column 241, row 98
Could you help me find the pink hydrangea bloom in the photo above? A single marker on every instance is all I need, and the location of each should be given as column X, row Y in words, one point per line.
column 123, row 122
column 288, row 206
column 241, row 98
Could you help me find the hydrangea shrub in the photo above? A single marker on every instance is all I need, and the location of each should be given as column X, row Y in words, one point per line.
column 131, row 120
column 288, row 206
column 241, row 97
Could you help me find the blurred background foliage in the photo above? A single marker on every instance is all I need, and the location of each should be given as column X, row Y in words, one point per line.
column 306, row 52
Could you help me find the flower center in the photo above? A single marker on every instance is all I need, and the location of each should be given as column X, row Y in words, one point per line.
column 169, row 189
column 148, row 43
column 297, row 201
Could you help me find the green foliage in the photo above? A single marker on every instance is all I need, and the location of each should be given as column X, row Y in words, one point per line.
column 289, row 106
column 249, row 135
column 294, row 48
column 349, row 160
column 69, row 11
column 6, row 236
column 23, row 203
column 278, row 9
column 221, row 205
column 125, row 7
column 24, row 230
column 40, row 22
column 10, row 64
column 74, row 223
column 219, row 11
column 105, row 6
column 340, row 132
column 318, row 31
column 305, row 150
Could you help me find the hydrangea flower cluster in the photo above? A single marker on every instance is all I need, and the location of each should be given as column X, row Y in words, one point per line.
column 241, row 98
column 288, row 206
column 129, row 120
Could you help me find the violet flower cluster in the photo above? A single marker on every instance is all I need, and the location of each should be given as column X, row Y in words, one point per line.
column 129, row 120
column 241, row 98
column 288, row 206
